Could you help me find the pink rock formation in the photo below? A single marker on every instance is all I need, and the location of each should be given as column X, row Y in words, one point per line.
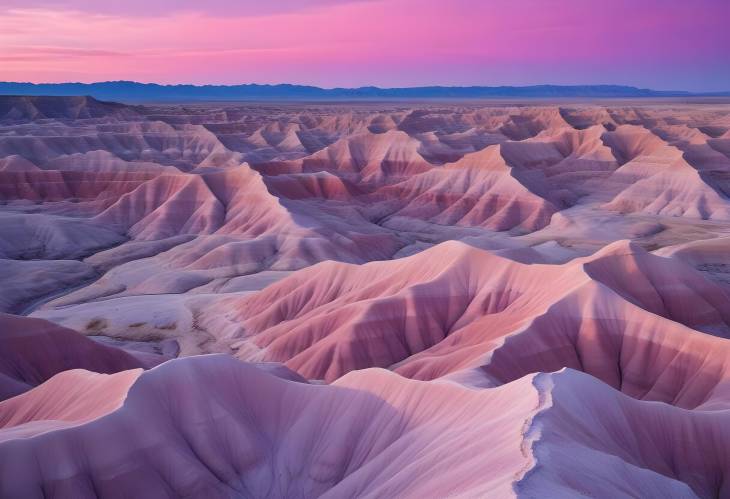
column 34, row 350
column 371, row 433
column 478, row 190
column 403, row 300
column 452, row 306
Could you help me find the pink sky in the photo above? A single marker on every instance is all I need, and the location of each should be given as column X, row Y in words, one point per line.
column 663, row 44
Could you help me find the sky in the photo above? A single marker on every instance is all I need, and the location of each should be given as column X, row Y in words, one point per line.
column 659, row 44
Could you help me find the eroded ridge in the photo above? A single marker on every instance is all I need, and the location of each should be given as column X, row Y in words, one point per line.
column 367, row 300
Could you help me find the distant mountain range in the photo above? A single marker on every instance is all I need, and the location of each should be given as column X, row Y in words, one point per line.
column 133, row 91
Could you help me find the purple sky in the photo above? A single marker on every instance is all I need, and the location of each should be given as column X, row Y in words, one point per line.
column 662, row 44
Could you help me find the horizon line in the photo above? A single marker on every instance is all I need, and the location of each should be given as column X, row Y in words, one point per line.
column 373, row 86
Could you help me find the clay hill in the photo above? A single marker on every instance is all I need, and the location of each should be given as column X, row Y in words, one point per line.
column 371, row 299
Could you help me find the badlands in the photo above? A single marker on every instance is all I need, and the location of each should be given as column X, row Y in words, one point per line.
column 477, row 299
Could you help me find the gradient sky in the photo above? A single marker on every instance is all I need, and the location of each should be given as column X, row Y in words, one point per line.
column 661, row 44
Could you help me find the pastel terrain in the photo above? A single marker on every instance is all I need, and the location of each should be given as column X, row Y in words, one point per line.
column 438, row 299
